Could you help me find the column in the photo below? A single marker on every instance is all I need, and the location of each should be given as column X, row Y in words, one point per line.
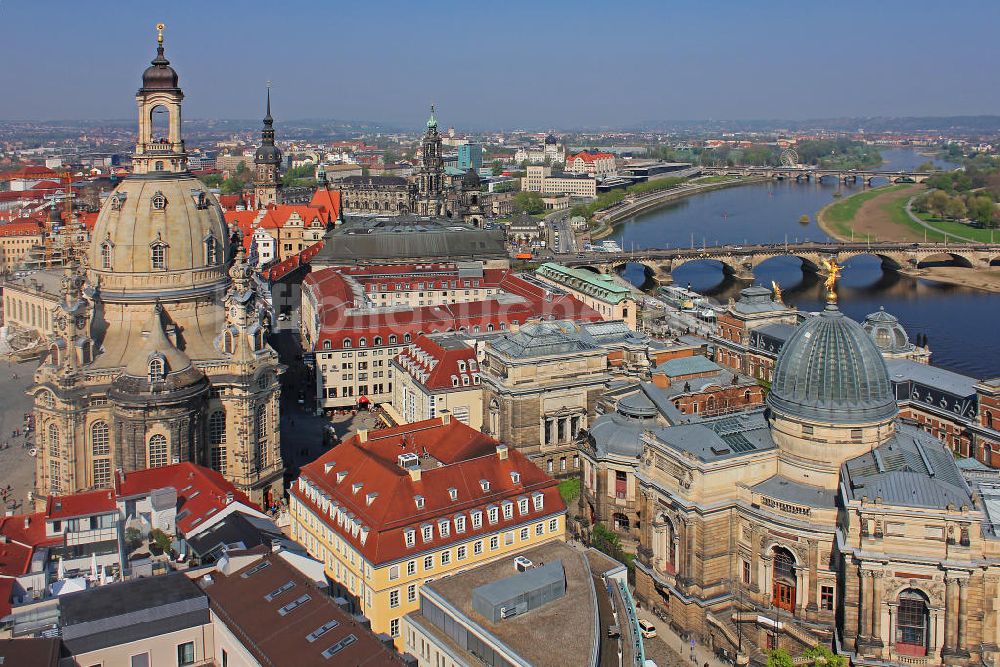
column 963, row 610
column 949, row 614
column 755, row 577
column 876, row 605
column 864, row 616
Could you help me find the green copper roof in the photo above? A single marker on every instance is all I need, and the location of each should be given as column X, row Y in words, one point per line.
column 598, row 285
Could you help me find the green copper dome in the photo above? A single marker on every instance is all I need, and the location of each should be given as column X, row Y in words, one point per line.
column 830, row 371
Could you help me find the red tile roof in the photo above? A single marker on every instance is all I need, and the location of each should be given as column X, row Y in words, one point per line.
column 29, row 172
column 463, row 455
column 21, row 227
column 327, row 201
column 80, row 504
column 201, row 491
column 438, row 368
column 587, row 156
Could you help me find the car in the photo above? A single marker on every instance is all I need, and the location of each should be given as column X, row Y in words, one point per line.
column 647, row 629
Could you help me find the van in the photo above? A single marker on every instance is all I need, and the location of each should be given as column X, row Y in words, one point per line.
column 647, row 629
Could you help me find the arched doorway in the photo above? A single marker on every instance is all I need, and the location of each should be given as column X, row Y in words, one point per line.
column 912, row 623
column 783, row 576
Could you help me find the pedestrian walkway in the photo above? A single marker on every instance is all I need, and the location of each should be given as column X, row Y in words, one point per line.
column 668, row 649
column 947, row 235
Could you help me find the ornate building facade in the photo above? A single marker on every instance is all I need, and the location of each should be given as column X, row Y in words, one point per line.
column 267, row 164
column 822, row 519
column 160, row 352
column 430, row 176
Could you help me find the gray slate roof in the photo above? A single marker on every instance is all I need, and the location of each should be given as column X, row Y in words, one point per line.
column 719, row 438
column 911, row 470
column 905, row 370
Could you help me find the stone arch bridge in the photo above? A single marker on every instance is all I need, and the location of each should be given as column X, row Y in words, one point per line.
column 740, row 261
column 817, row 174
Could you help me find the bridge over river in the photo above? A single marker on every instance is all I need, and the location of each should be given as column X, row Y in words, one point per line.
column 816, row 174
column 740, row 261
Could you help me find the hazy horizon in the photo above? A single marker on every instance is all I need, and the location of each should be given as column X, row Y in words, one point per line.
column 557, row 64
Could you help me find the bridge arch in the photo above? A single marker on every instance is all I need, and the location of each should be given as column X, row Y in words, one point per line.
column 808, row 263
column 944, row 257
column 888, row 263
column 730, row 266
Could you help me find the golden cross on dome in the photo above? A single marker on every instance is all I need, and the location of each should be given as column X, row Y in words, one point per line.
column 833, row 272
column 159, row 33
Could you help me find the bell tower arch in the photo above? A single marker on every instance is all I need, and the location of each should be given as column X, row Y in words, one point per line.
column 160, row 93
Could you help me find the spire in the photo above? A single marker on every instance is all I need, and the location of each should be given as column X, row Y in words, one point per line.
column 432, row 121
column 268, row 121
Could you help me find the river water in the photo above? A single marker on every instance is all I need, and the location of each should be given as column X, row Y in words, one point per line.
column 961, row 323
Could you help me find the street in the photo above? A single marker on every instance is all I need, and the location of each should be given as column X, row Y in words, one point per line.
column 17, row 465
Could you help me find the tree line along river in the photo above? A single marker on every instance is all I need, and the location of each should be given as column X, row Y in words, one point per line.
column 960, row 322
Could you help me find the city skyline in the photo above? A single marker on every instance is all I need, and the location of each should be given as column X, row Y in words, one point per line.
column 566, row 65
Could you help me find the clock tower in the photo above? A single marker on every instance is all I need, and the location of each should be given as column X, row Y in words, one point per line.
column 267, row 163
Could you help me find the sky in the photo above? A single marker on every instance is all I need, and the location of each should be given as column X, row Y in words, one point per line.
column 507, row 64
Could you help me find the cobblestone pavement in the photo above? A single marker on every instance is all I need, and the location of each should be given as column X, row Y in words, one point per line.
column 17, row 465
column 668, row 649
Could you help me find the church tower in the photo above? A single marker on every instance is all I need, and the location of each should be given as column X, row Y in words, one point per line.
column 161, row 354
column 267, row 162
column 430, row 177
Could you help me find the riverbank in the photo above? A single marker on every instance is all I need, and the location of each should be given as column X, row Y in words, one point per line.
column 872, row 214
column 627, row 209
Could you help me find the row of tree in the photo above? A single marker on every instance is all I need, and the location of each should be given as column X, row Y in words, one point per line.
column 977, row 206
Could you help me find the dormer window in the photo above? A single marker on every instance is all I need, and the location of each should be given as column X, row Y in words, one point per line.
column 538, row 499
column 453, row 493
column 494, row 514
column 484, row 484
column 377, row 342
column 356, row 487
column 461, row 366
column 444, row 528
column 427, row 532
column 477, row 520
column 392, row 339
column 362, row 342
column 157, row 370
column 118, row 200
column 522, row 505
column 341, row 475
column 410, row 536
column 158, row 202
column 459, row 524
column 419, row 502
column 508, row 510
column 347, row 343
column 515, row 477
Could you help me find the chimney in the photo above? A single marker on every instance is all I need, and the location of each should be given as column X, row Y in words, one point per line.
column 502, row 451
column 445, row 416
column 363, row 435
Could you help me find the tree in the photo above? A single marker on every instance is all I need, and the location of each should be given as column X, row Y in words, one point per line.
column 926, row 166
column 817, row 656
column 779, row 657
column 161, row 540
column 981, row 208
column 528, row 202
column 955, row 209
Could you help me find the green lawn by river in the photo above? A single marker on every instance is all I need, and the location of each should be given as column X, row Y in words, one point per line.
column 839, row 215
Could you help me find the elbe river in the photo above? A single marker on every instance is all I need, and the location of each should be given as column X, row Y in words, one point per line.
column 962, row 324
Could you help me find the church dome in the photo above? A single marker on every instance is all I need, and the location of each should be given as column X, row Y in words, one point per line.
column 159, row 75
column 550, row 140
column 888, row 334
column 159, row 235
column 268, row 154
column 830, row 372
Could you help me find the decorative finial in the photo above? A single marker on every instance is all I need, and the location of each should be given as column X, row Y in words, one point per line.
column 833, row 272
column 159, row 33
column 777, row 291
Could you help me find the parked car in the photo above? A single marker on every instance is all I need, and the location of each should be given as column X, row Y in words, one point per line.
column 647, row 629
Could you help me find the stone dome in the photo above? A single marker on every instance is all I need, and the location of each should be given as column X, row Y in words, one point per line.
column 159, row 235
column 159, row 75
column 888, row 334
column 268, row 154
column 830, row 372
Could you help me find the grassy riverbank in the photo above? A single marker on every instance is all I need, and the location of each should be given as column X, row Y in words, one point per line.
column 957, row 229
column 837, row 218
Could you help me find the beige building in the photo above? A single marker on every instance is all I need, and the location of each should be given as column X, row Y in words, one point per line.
column 16, row 240
column 599, row 291
column 824, row 520
column 158, row 351
column 29, row 302
column 541, row 386
column 540, row 179
column 437, row 374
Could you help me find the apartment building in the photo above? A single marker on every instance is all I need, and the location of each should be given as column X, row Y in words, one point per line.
column 389, row 510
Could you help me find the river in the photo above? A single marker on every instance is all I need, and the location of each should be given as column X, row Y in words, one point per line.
column 958, row 321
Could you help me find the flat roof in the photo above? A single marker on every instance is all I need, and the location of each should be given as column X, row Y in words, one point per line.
column 902, row 370
column 530, row 635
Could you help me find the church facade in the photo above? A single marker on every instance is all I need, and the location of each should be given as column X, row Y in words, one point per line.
column 160, row 349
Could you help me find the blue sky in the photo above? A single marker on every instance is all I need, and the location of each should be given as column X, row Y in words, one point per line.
column 505, row 64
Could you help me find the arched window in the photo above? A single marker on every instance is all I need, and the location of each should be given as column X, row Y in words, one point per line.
column 156, row 369
column 746, row 396
column 227, row 341
column 159, row 165
column 48, row 399
column 158, row 255
column 217, row 428
column 327, row 345
column 406, row 338
column 912, row 623
column 362, row 342
column 783, row 564
column 157, row 451
column 392, row 339
column 53, row 439
column 260, row 428
column 258, row 340
column 99, row 441
column 347, row 343
column 211, row 251
column 989, row 419
column 106, row 249
column 377, row 341
column 159, row 201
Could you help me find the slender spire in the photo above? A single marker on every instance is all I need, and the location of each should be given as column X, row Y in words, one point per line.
column 267, row 117
column 432, row 121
